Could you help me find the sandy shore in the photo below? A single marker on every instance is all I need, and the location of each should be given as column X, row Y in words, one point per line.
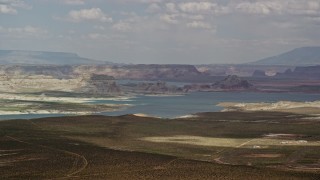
column 42, row 112
column 111, row 107
column 281, row 106
column 187, row 116
column 164, row 95
column 19, row 104
column 228, row 142
column 22, row 97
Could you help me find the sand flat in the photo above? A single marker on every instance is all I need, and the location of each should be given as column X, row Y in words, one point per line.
column 228, row 142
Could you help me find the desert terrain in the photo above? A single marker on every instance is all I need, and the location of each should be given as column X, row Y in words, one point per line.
column 311, row 108
column 223, row 145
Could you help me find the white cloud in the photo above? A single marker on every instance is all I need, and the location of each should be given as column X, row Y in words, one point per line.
column 5, row 9
column 296, row 7
column 132, row 23
column 263, row 7
column 101, row 28
column 97, row 36
column 139, row 1
column 177, row 30
column 16, row 3
column 74, row 2
column 197, row 7
column 94, row 14
column 169, row 18
column 153, row 8
column 11, row 6
column 171, row 8
column 122, row 27
column 192, row 16
column 199, row 25
column 306, row 7
column 258, row 7
column 23, row 32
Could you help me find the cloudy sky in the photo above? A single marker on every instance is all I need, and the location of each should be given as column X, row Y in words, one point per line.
column 161, row 31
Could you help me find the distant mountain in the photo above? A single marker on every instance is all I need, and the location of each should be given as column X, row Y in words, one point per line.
column 310, row 72
column 304, row 56
column 8, row 57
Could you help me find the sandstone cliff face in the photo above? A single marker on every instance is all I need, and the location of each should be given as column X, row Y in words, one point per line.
column 141, row 72
column 230, row 83
column 50, row 70
column 259, row 73
column 137, row 72
column 197, row 87
column 101, row 85
column 243, row 70
column 37, row 83
column 159, row 87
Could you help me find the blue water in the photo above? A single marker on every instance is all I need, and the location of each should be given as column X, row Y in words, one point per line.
column 28, row 116
column 174, row 106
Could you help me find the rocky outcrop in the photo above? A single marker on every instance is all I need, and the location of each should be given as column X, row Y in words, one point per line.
column 58, row 72
column 259, row 73
column 135, row 72
column 242, row 70
column 101, row 85
column 197, row 87
column 101, row 77
column 230, row 83
column 142, row 71
column 159, row 87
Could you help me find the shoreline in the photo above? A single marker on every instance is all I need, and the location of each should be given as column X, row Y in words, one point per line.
column 44, row 98
column 310, row 108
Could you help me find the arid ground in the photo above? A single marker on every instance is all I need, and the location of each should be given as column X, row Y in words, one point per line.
column 224, row 145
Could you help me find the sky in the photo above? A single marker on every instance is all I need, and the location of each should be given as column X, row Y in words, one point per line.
column 161, row 31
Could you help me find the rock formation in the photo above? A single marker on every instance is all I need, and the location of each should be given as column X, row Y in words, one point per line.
column 159, row 87
column 259, row 73
column 232, row 82
column 101, row 85
column 310, row 72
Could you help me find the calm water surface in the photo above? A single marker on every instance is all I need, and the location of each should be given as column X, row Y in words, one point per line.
column 175, row 106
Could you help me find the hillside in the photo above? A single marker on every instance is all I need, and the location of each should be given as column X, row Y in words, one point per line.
column 223, row 145
column 309, row 72
column 43, row 58
column 304, row 56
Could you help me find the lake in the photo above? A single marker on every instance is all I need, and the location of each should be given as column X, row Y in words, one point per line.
column 175, row 106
